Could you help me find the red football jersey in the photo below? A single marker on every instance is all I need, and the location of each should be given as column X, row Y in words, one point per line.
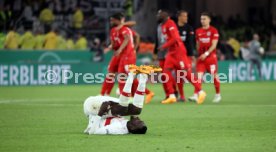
column 117, row 37
column 114, row 39
column 173, row 42
column 205, row 37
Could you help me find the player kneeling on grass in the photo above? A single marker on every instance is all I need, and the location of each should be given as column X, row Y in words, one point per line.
column 105, row 113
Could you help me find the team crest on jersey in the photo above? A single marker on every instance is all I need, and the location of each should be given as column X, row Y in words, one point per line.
column 208, row 33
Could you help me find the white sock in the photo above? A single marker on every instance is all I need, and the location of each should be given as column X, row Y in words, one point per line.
column 138, row 99
column 129, row 82
column 123, row 100
column 172, row 96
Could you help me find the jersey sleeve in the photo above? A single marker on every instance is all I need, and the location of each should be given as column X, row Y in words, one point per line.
column 126, row 31
column 171, row 32
column 215, row 34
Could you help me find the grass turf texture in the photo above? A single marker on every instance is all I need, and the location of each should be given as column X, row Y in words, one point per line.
column 51, row 119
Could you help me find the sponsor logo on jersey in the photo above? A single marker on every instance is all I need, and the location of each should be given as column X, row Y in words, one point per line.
column 205, row 40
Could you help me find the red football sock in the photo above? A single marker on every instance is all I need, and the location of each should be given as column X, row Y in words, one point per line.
column 109, row 87
column 170, row 83
column 217, row 85
column 194, row 81
column 180, row 89
column 104, row 86
column 163, row 78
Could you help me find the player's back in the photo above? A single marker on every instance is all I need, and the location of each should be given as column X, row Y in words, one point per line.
column 170, row 31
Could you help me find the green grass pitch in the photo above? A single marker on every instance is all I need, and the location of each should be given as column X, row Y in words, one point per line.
column 51, row 119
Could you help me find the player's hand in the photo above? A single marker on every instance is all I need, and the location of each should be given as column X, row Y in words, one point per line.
column 118, row 52
column 160, row 49
column 154, row 57
column 202, row 57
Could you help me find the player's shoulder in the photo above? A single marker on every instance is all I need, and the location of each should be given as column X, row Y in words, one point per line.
column 170, row 24
column 125, row 29
column 212, row 28
column 199, row 30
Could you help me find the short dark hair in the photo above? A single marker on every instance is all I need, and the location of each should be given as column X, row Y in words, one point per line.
column 136, row 126
column 142, row 130
column 181, row 11
column 206, row 14
column 118, row 16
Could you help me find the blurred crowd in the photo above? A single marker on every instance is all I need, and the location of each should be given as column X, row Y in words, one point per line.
column 59, row 25
column 237, row 34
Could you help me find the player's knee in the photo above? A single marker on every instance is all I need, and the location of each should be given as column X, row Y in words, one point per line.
column 134, row 110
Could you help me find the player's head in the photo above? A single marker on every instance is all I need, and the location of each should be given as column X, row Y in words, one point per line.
column 256, row 37
column 116, row 19
column 136, row 126
column 182, row 16
column 162, row 15
column 205, row 19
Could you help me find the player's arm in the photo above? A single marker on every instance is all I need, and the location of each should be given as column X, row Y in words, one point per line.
column 136, row 40
column 212, row 48
column 94, row 123
column 109, row 47
column 124, row 44
column 128, row 24
column 172, row 32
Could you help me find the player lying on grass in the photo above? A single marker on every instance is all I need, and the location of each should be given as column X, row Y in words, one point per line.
column 105, row 113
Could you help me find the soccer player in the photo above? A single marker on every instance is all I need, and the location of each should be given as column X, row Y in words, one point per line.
column 176, row 58
column 186, row 32
column 206, row 40
column 105, row 112
column 119, row 35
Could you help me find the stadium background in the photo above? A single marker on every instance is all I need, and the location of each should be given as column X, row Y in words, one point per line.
column 82, row 33
column 49, row 117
